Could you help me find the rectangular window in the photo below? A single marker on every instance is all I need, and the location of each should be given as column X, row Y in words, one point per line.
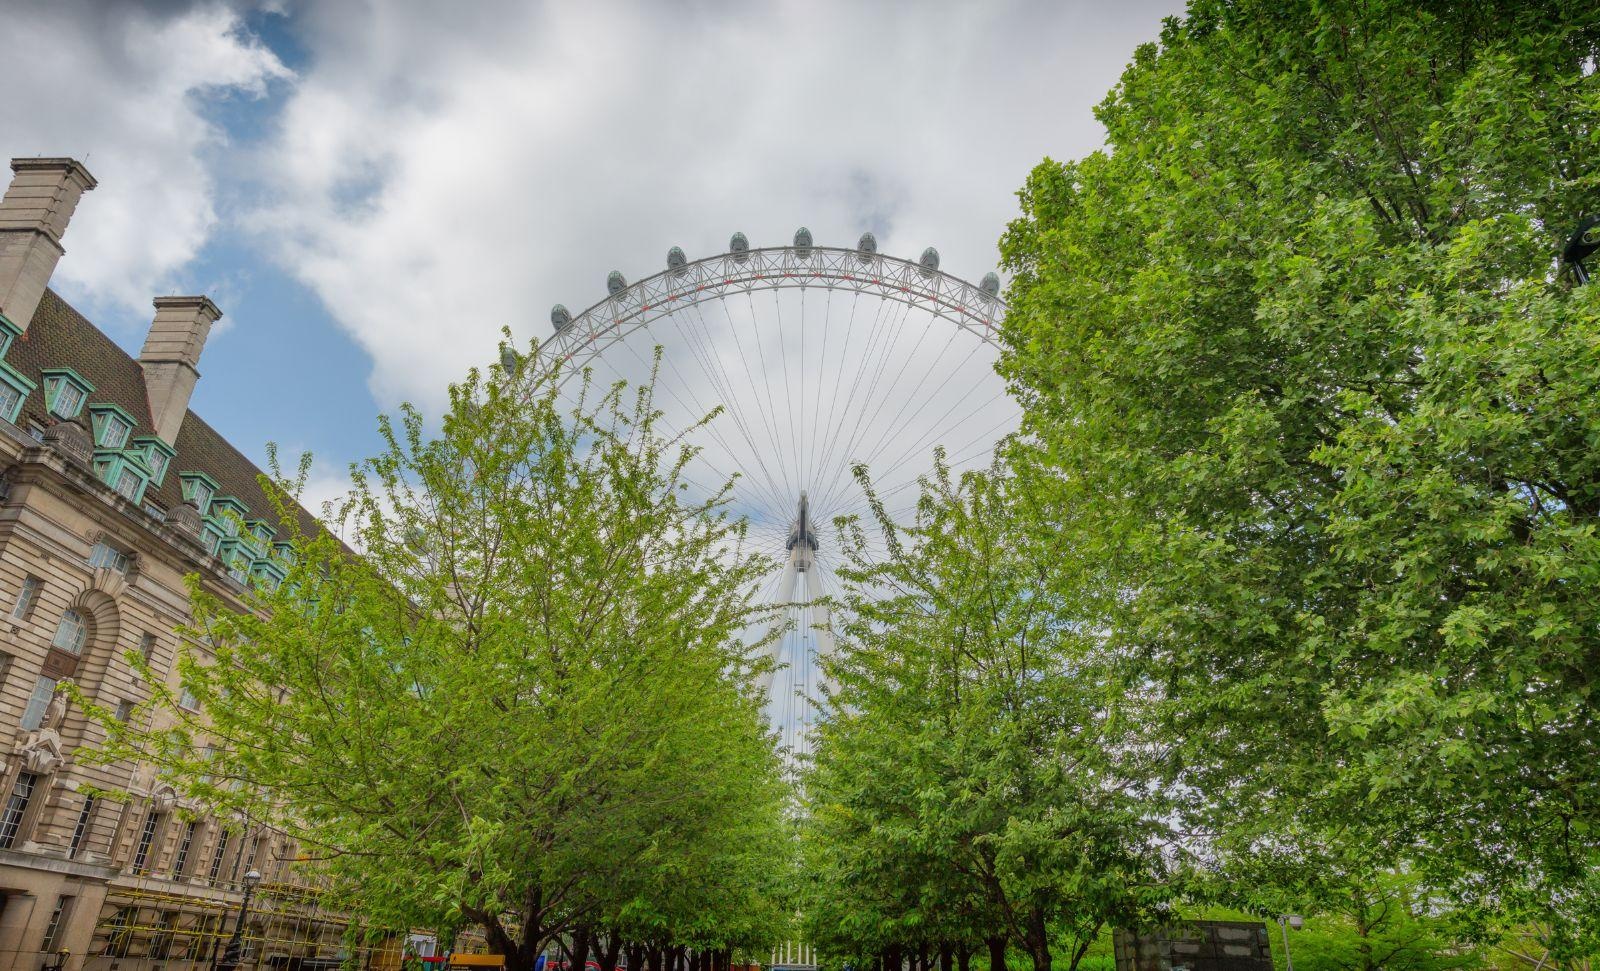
column 147, row 645
column 201, row 939
column 155, row 512
column 105, row 555
column 198, row 492
column 147, row 837
column 157, row 461
column 129, row 485
column 188, row 701
column 26, row 597
column 161, row 940
column 184, row 844
column 16, row 808
column 67, row 400
column 10, row 401
column 52, row 930
column 216, row 857
column 119, row 933
column 81, row 830
column 33, row 715
column 110, row 430
column 70, row 633
column 36, row 431
column 124, row 710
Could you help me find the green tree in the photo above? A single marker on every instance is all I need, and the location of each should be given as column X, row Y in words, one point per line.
column 1311, row 402
column 524, row 705
column 976, row 781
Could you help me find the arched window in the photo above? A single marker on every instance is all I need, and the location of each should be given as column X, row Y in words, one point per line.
column 70, row 633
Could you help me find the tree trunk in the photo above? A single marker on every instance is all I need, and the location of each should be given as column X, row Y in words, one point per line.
column 653, row 957
column 946, row 955
column 580, row 949
column 997, row 953
column 963, row 956
column 892, row 958
column 613, row 948
column 922, row 956
column 1038, row 940
column 635, row 956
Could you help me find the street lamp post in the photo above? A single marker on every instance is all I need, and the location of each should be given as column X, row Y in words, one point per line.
column 234, row 952
column 1286, row 921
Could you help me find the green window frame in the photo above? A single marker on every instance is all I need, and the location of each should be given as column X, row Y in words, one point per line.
column 157, row 457
column 14, row 390
column 65, row 391
column 269, row 573
column 9, row 333
column 236, row 558
column 113, row 426
column 199, row 489
column 124, row 473
column 229, row 511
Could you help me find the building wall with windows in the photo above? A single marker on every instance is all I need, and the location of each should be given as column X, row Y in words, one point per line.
column 111, row 493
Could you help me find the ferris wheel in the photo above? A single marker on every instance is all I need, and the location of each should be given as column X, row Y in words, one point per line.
column 821, row 358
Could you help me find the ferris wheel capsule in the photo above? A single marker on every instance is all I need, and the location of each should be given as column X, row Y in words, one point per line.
column 802, row 242
column 990, row 285
column 866, row 247
column 675, row 259
column 560, row 317
column 615, row 284
column 508, row 359
column 739, row 246
column 929, row 261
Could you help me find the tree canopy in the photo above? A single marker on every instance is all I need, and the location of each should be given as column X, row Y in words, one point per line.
column 1306, row 385
column 525, row 706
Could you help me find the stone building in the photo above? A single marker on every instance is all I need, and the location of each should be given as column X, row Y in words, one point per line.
column 111, row 492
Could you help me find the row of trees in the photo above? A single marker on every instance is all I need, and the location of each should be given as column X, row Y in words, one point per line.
column 1285, row 596
column 1283, row 599
column 524, row 709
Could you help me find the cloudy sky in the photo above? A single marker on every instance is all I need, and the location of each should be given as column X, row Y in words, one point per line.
column 370, row 191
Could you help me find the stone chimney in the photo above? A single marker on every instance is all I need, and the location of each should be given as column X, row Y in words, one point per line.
column 171, row 358
column 33, row 218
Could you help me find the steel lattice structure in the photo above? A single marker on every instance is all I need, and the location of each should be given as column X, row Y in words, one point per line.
column 769, row 446
column 861, row 270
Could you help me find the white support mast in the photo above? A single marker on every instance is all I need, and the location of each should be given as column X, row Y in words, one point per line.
column 808, row 637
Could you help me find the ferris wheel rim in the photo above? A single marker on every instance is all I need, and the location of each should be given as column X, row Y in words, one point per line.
column 770, row 268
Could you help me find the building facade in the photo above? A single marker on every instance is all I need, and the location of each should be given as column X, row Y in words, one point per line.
column 112, row 492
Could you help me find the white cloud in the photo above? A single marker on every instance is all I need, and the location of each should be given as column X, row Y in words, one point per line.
column 446, row 170
column 123, row 88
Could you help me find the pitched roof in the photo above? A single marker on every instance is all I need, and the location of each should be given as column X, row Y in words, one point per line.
column 59, row 336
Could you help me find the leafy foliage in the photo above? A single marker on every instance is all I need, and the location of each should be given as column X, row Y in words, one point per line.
column 524, row 706
column 1308, row 394
column 977, row 780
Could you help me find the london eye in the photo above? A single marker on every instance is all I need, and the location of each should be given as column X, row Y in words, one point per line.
column 821, row 358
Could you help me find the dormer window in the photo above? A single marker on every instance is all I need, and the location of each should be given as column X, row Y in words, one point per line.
column 65, row 391
column 156, row 455
column 228, row 512
column 14, row 389
column 123, row 472
column 9, row 332
column 199, row 489
column 112, row 426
